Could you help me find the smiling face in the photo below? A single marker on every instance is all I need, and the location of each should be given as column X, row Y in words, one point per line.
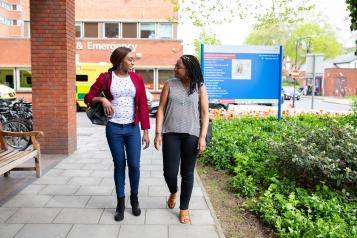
column 180, row 69
column 127, row 63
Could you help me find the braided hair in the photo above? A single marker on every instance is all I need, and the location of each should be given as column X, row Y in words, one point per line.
column 117, row 57
column 194, row 72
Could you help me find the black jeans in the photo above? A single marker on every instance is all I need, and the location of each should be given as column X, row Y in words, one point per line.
column 176, row 147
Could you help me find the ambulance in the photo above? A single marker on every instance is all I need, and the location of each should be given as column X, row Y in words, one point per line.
column 86, row 75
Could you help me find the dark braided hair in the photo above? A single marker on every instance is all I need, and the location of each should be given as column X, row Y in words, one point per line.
column 117, row 56
column 194, row 72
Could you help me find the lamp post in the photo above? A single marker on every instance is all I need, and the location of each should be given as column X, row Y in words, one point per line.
column 296, row 59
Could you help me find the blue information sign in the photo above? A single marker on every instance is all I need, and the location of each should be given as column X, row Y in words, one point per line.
column 248, row 73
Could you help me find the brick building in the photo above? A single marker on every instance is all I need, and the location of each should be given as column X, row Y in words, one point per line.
column 101, row 26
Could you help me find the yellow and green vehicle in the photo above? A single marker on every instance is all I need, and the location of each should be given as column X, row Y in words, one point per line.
column 86, row 74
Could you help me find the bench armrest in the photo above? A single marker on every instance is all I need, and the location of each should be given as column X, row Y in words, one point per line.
column 19, row 134
column 32, row 134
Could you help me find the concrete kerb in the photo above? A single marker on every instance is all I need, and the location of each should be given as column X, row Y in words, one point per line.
column 210, row 206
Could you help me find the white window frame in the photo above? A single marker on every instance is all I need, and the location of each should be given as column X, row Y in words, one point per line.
column 139, row 31
column 119, row 29
column 80, row 24
column 18, row 7
column 154, row 81
column 17, row 79
column 172, row 31
column 158, row 73
column 13, row 74
column 83, row 35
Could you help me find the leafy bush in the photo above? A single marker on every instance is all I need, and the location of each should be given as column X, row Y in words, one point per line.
column 300, row 174
column 310, row 153
column 297, row 212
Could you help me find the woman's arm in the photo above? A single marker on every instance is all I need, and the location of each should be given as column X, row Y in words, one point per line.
column 160, row 115
column 204, row 118
column 143, row 106
column 93, row 96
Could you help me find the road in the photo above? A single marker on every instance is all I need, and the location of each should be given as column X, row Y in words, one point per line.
column 320, row 103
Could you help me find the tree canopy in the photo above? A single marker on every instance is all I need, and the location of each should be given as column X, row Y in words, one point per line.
column 352, row 7
column 311, row 38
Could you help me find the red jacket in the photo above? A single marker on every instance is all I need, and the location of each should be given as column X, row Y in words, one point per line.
column 141, row 107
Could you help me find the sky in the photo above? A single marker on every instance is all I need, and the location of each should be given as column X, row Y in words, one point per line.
column 234, row 33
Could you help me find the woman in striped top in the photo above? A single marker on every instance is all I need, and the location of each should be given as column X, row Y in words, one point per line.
column 181, row 128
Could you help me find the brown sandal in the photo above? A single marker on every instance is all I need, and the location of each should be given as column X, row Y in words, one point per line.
column 171, row 202
column 184, row 217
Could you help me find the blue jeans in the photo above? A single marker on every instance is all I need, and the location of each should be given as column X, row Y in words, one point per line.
column 125, row 139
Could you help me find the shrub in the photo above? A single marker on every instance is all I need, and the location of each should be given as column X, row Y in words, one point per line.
column 311, row 153
column 300, row 174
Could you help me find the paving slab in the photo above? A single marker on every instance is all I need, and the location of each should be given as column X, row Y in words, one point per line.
column 147, row 231
column 34, row 215
column 94, row 231
column 79, row 216
column 44, row 231
column 9, row 230
column 68, row 201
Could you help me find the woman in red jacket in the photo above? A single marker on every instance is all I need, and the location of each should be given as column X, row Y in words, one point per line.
column 125, row 104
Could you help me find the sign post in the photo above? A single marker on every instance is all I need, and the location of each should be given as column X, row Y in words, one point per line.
column 295, row 74
column 250, row 74
column 314, row 67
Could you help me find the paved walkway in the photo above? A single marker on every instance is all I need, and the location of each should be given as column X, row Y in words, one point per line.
column 77, row 199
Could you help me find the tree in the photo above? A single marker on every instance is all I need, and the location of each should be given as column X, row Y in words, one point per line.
column 203, row 13
column 276, row 13
column 205, row 37
column 352, row 7
column 312, row 37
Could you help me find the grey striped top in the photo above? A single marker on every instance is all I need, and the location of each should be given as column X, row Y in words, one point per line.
column 182, row 114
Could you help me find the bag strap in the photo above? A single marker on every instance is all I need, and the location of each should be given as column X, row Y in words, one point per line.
column 102, row 94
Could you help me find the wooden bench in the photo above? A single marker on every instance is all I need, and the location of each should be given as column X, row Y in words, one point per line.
column 10, row 158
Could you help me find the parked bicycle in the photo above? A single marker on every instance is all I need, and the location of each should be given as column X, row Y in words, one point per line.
column 16, row 117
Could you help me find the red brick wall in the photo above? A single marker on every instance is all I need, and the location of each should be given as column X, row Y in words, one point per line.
column 53, row 74
column 340, row 81
column 16, row 52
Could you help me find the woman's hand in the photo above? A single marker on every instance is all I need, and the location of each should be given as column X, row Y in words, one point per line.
column 201, row 146
column 145, row 140
column 158, row 141
column 108, row 107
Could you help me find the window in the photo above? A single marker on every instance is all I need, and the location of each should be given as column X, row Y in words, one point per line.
column 91, row 29
column 129, row 30
column 27, row 30
column 16, row 7
column 81, row 78
column 165, row 30
column 148, row 75
column 5, row 21
column 164, row 75
column 25, row 78
column 147, row 30
column 7, row 77
column 111, row 30
column 78, row 30
column 5, row 5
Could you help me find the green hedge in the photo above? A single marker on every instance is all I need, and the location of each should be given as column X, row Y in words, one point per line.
column 301, row 174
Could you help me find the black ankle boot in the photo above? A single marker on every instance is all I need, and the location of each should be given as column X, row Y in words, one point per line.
column 135, row 204
column 119, row 215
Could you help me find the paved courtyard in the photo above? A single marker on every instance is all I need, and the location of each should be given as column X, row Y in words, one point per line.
column 76, row 198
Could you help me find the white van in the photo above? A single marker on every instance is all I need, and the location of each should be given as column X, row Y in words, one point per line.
column 7, row 93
